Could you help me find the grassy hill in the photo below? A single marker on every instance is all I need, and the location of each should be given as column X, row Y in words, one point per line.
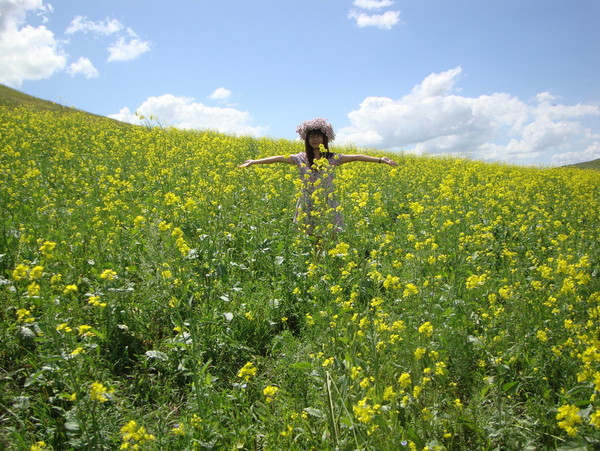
column 11, row 98
column 154, row 295
column 594, row 164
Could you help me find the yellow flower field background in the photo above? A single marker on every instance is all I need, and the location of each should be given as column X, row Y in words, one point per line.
column 156, row 296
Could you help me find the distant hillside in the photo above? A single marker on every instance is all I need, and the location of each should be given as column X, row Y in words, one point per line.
column 12, row 97
column 594, row 164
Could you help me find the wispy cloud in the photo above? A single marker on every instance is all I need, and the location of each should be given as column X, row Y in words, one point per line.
column 128, row 45
column 373, row 4
column 81, row 24
column 385, row 21
column 434, row 119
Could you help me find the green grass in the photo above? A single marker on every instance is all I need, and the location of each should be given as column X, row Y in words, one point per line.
column 594, row 164
column 153, row 294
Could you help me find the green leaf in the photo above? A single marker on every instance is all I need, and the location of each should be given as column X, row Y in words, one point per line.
column 510, row 387
column 153, row 354
column 314, row 412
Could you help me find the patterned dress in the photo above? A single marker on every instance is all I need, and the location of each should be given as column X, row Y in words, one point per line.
column 317, row 207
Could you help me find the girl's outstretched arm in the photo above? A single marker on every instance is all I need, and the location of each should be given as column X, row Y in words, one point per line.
column 367, row 158
column 268, row 160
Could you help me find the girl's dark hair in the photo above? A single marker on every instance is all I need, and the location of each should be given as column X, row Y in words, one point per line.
column 310, row 155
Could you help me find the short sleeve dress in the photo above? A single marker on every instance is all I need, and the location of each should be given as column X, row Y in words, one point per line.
column 317, row 206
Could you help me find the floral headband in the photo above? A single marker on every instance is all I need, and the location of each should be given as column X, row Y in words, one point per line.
column 316, row 124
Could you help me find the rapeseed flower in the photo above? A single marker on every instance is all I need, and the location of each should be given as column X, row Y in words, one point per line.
column 247, row 371
column 20, row 272
column 70, row 289
column 133, row 436
column 270, row 391
column 46, row 248
column 364, row 411
column 99, row 393
column 36, row 272
column 108, row 274
column 405, row 380
column 570, row 417
column 426, row 329
column 24, row 316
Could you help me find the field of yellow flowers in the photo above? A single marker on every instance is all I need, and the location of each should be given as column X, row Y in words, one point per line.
column 156, row 296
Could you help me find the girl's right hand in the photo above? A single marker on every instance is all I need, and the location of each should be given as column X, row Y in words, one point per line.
column 246, row 163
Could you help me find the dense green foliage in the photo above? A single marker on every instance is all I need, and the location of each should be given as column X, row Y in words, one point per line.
column 155, row 295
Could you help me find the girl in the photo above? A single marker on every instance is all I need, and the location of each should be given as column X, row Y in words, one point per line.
column 317, row 207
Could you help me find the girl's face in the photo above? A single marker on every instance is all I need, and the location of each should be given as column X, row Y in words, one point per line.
column 315, row 139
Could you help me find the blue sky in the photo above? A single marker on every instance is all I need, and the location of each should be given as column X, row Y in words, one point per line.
column 497, row 80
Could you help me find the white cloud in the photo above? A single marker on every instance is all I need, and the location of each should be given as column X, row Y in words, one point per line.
column 589, row 154
column 433, row 118
column 123, row 50
column 127, row 47
column 183, row 112
column 385, row 21
column 26, row 52
column 220, row 94
column 84, row 67
column 373, row 4
column 82, row 25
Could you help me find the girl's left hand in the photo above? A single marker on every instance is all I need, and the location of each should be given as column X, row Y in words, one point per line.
column 389, row 161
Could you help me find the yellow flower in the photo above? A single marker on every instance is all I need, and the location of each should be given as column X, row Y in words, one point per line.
column 410, row 289
column 389, row 393
column 20, row 272
column 364, row 411
column 70, row 289
column 247, row 371
column 405, row 380
column 47, row 248
column 426, row 329
column 24, row 316
column 63, row 327
column 95, row 301
column 108, row 274
column 569, row 415
column 475, row 281
column 77, row 351
column 84, row 329
column 542, row 335
column 420, row 352
column 98, row 392
column 392, row 282
column 336, row 289
column 36, row 272
column 178, row 429
column 417, row 391
column 134, row 435
column 33, row 289
column 138, row 221
column 366, row 382
column 38, row 446
column 288, row 431
column 341, row 250
column 595, row 419
column 270, row 391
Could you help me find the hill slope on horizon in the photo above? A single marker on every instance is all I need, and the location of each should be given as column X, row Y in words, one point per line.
column 13, row 98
